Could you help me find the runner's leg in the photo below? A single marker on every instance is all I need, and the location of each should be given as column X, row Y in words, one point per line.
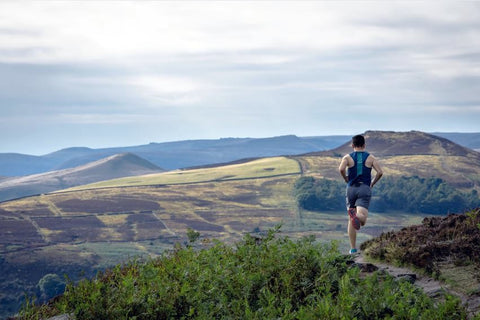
column 362, row 214
column 352, row 235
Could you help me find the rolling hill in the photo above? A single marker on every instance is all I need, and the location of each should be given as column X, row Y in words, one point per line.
column 115, row 166
column 171, row 155
column 94, row 226
column 406, row 154
column 191, row 153
column 385, row 143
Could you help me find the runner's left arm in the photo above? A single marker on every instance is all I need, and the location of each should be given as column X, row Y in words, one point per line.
column 378, row 170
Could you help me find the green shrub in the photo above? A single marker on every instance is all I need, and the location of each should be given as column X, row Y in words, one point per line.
column 269, row 277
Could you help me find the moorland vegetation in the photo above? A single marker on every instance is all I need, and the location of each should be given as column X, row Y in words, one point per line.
column 440, row 240
column 260, row 277
column 95, row 227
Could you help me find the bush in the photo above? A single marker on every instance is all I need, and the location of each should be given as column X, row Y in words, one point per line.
column 319, row 194
column 407, row 194
column 260, row 278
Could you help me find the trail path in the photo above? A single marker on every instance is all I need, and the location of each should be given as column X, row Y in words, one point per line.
column 433, row 288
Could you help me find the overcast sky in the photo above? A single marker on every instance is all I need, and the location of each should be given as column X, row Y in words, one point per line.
column 103, row 74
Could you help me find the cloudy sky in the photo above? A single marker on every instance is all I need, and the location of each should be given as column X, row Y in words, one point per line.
column 103, row 74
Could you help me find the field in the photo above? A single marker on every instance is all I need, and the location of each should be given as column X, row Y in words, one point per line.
column 265, row 167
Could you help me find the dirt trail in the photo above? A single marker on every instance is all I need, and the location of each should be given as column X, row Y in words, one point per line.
column 433, row 288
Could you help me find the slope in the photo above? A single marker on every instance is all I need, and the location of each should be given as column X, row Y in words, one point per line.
column 172, row 155
column 257, row 168
column 407, row 154
column 190, row 153
column 115, row 166
column 446, row 248
column 96, row 226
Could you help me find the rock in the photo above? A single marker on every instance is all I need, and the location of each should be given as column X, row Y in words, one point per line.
column 409, row 277
column 365, row 267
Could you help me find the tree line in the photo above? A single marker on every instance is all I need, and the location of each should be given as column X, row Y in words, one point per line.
column 408, row 194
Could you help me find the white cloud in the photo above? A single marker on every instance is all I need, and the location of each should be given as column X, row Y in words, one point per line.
column 223, row 68
column 74, row 31
column 100, row 118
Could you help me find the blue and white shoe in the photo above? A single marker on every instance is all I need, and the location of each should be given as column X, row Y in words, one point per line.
column 353, row 251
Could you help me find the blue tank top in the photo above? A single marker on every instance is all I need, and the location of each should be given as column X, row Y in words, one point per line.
column 359, row 172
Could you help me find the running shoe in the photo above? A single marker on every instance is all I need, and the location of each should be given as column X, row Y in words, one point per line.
column 353, row 251
column 352, row 212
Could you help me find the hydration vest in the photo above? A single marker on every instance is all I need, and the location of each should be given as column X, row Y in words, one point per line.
column 359, row 172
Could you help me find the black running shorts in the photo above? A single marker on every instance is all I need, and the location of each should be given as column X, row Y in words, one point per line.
column 358, row 196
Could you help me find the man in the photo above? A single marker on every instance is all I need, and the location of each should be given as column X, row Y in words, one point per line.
column 359, row 183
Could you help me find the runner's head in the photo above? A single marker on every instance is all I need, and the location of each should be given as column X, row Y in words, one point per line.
column 358, row 141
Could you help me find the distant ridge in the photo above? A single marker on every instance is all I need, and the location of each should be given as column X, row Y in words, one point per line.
column 116, row 166
column 389, row 143
column 171, row 155
column 194, row 153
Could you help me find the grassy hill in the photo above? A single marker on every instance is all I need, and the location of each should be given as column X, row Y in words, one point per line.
column 171, row 155
column 260, row 168
column 406, row 154
column 183, row 154
column 119, row 165
column 95, row 226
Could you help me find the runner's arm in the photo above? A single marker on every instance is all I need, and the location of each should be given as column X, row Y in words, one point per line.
column 378, row 170
column 343, row 168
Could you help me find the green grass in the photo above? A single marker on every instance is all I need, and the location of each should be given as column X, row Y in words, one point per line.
column 259, row 278
column 265, row 167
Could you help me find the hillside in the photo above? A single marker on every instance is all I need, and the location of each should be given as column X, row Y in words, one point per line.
column 264, row 276
column 115, row 166
column 447, row 248
column 94, row 227
column 191, row 153
column 406, row 154
column 389, row 143
column 171, row 155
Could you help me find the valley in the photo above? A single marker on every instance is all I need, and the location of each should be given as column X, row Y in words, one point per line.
column 79, row 232
column 86, row 228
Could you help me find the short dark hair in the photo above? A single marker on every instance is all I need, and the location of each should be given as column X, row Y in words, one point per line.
column 358, row 141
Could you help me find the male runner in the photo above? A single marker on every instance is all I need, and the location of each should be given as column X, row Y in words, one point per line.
column 359, row 183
